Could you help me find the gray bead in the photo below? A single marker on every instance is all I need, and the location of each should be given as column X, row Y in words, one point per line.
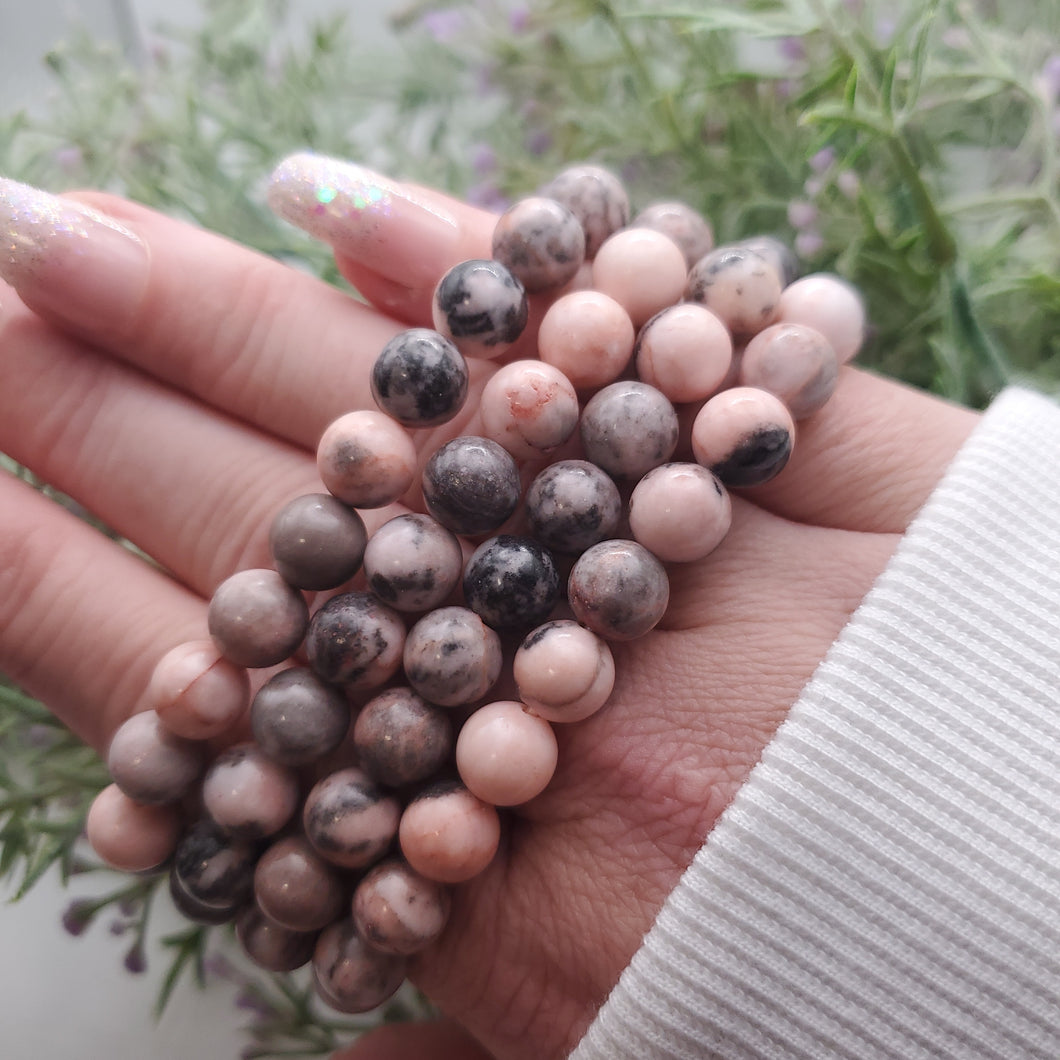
column 317, row 542
column 512, row 582
column 349, row 975
column 452, row 657
column 481, row 306
column 596, row 197
column 471, row 485
column 618, row 589
column 401, row 738
column 420, row 378
column 541, row 241
column 297, row 718
column 355, row 640
column 150, row 764
column 256, row 619
column 270, row 945
column 212, row 874
column 628, row 428
column 572, row 505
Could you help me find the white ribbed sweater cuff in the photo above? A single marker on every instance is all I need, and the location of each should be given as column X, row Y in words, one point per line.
column 887, row 882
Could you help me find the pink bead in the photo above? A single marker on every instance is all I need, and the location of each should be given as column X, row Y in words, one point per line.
column 641, row 269
column 687, row 228
column 529, row 408
column 794, row 362
column 256, row 619
column 151, row 764
column 831, row 306
column 248, row 794
column 684, row 351
column 397, row 910
column 588, row 337
column 505, row 755
column 680, row 512
column 564, row 671
column 366, row 459
column 128, row 836
column 744, row 436
column 197, row 692
column 449, row 835
column 349, row 819
column 349, row 975
column 739, row 285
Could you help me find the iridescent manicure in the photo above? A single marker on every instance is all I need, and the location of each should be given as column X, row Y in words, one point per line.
column 383, row 225
column 66, row 259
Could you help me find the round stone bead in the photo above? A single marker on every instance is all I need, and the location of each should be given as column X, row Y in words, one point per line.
column 529, row 407
column 247, row 794
column 355, row 641
column 795, row 363
column 778, row 254
column 150, row 764
column 349, row 820
column 739, row 285
column 197, row 692
column 680, row 512
column 564, row 672
column 689, row 229
column 270, row 945
column 366, row 459
column 831, row 306
column 413, row 563
column 297, row 888
column 628, row 428
column 541, row 242
column 397, row 910
column 256, row 619
column 447, row 834
column 684, row 351
column 401, row 738
column 128, row 835
column 505, row 754
column 512, row 582
column 350, row 976
column 317, row 542
column 618, row 589
column 481, row 307
column 745, row 436
column 596, row 197
column 471, row 485
column 420, row 378
column 588, row 337
column 212, row 874
column 571, row 505
column 641, row 269
column 296, row 718
column 452, row 657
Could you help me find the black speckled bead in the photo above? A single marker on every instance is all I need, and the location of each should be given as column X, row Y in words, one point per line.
column 452, row 657
column 355, row 640
column 628, row 428
column 317, row 542
column 349, row 820
column 596, row 197
column 401, row 738
column 512, row 582
column 413, row 563
column 481, row 307
column 540, row 241
column 471, row 485
column 297, row 718
column 212, row 874
column 781, row 256
column 420, row 378
column 572, row 505
column 618, row 589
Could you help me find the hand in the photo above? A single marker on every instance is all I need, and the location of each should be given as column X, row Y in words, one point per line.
column 187, row 413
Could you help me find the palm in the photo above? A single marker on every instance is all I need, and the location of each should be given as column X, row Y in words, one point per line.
column 187, row 430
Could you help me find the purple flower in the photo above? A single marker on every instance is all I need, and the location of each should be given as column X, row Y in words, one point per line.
column 69, row 157
column 487, row 196
column 809, row 244
column 1048, row 80
column 813, row 187
column 218, row 966
column 538, row 141
column 792, row 49
column 444, row 24
column 119, row 927
column 483, row 159
column 519, row 19
column 250, row 1001
column 78, row 915
column 802, row 214
column 848, row 184
column 822, row 160
column 135, row 962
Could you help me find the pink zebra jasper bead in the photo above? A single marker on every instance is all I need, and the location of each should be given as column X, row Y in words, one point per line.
column 247, row 794
column 129, row 836
column 397, row 910
column 256, row 619
column 349, row 975
column 349, row 820
column 641, row 269
column 618, row 589
column 270, row 945
column 684, row 351
column 447, row 834
column 596, row 197
column 739, row 285
column 588, row 337
column 506, row 755
column 564, row 671
column 680, row 512
column 366, row 459
column 529, row 407
column 413, row 563
column 690, row 230
column 150, row 764
column 296, row 887
column 541, row 242
column 794, row 362
column 831, row 306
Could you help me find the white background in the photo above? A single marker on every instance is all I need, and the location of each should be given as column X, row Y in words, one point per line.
column 65, row 998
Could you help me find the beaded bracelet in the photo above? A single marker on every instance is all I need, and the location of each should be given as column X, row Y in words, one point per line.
column 292, row 834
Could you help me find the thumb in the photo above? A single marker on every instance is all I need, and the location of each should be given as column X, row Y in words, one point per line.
column 434, row 1040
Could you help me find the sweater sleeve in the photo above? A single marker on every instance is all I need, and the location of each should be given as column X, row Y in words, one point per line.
column 887, row 882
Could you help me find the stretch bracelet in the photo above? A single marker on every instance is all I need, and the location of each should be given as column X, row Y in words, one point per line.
column 380, row 751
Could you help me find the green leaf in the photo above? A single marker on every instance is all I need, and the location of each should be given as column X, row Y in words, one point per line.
column 189, row 947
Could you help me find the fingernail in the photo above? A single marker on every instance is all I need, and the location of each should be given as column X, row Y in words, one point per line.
column 67, row 259
column 376, row 221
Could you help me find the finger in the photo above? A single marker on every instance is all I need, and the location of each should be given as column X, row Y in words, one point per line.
column 82, row 620
column 433, row 1040
column 257, row 339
